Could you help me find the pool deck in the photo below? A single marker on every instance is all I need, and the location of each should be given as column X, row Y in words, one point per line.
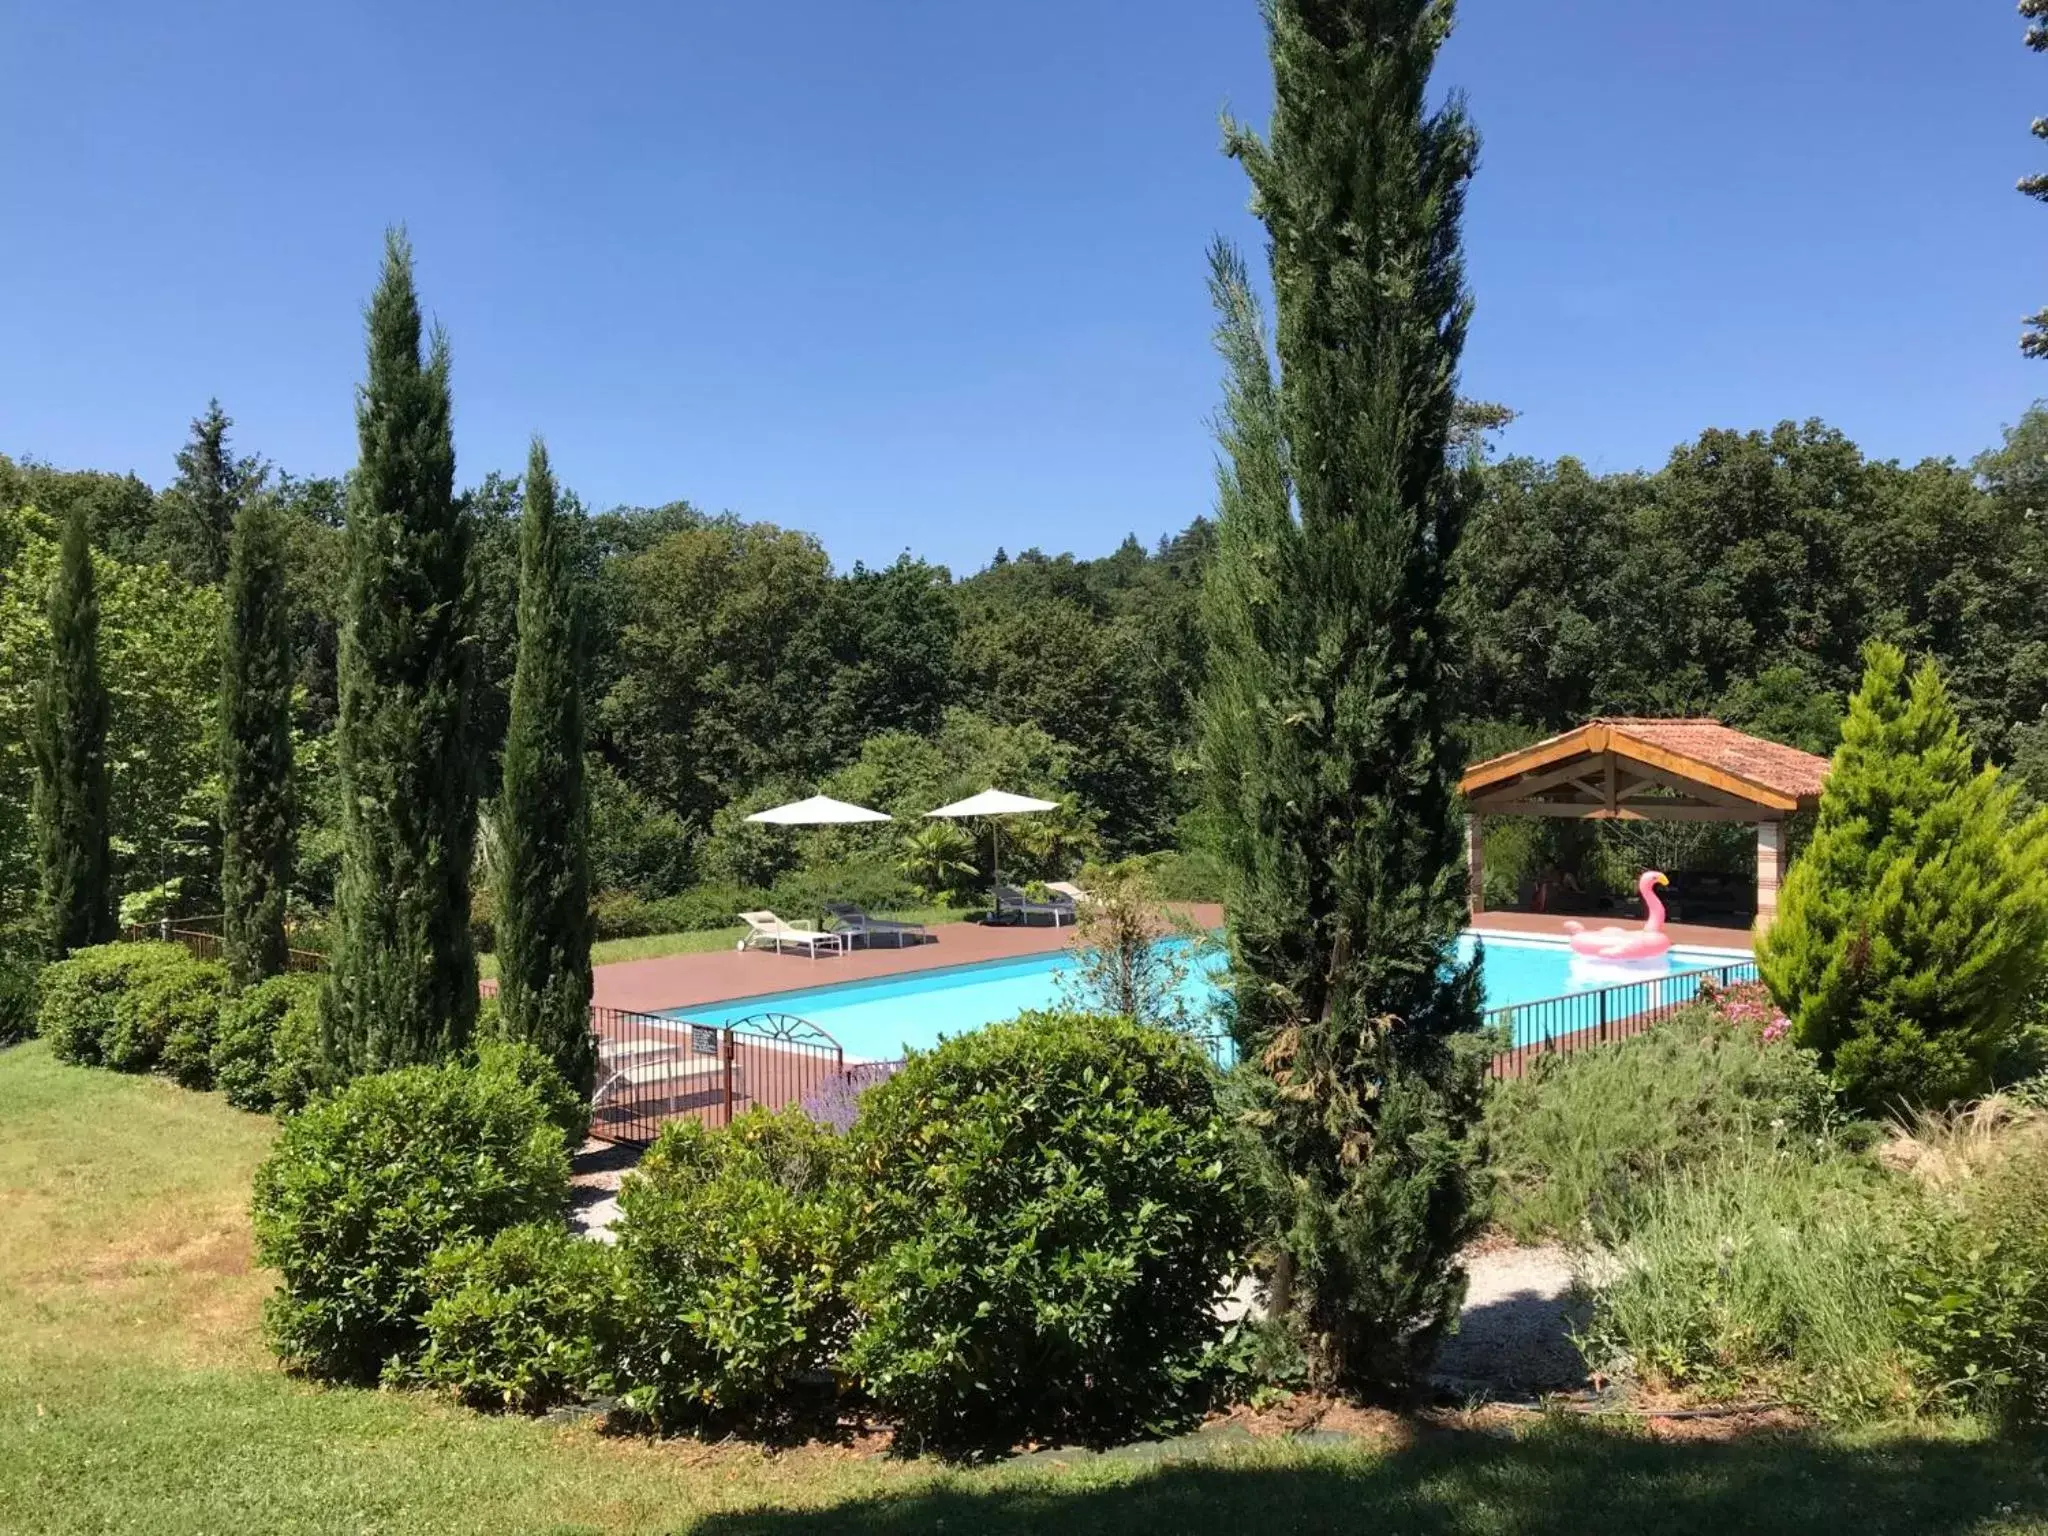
column 1546, row 925
column 720, row 976
column 725, row 975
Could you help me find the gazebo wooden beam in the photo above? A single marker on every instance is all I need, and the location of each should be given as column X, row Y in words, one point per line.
column 1703, row 773
column 1587, row 810
column 1536, row 784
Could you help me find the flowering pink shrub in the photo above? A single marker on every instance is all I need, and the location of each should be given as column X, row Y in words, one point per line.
column 1748, row 1005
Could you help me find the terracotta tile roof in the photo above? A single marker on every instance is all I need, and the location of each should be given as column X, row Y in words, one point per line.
column 1745, row 766
column 1787, row 770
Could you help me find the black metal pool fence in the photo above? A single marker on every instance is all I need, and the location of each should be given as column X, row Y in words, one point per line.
column 651, row 1069
column 1580, row 1021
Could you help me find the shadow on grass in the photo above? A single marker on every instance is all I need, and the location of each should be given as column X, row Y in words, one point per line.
column 1571, row 1480
column 1517, row 1345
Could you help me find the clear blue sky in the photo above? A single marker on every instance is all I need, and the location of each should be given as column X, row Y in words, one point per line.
column 929, row 275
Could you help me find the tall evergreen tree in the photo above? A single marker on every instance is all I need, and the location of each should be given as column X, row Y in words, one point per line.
column 256, row 746
column 401, row 986
column 1325, row 725
column 1914, row 928
column 71, row 793
column 195, row 516
column 544, row 927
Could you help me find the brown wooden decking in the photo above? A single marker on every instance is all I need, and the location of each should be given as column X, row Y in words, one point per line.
column 682, row 981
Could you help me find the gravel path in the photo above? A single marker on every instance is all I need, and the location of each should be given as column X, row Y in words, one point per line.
column 596, row 1171
column 1513, row 1337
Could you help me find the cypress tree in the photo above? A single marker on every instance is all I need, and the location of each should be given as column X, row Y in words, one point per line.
column 71, row 793
column 195, row 516
column 544, row 926
column 1914, row 927
column 256, row 746
column 401, row 987
column 1327, row 752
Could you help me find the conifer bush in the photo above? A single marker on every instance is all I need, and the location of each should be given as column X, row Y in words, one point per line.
column 1327, row 713
column 1913, row 931
column 1045, row 1213
column 364, row 1185
column 542, row 925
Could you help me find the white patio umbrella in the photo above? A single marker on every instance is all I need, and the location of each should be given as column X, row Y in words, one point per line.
column 818, row 811
column 993, row 803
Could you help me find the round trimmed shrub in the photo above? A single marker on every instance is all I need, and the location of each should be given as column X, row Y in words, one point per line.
column 266, row 1052
column 731, row 1242
column 527, row 1066
column 365, row 1184
column 1047, row 1214
column 524, row 1321
column 166, row 1021
column 79, row 1009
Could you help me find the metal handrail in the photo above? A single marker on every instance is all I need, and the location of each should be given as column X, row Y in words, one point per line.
column 1493, row 1014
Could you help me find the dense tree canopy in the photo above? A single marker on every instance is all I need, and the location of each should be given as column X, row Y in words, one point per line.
column 728, row 659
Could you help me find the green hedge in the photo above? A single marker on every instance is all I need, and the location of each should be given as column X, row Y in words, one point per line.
column 525, row 1321
column 1045, row 1217
column 527, row 1068
column 135, row 1008
column 624, row 915
column 731, row 1242
column 363, row 1187
column 266, row 1053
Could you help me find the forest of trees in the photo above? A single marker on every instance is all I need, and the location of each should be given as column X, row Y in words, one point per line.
column 730, row 664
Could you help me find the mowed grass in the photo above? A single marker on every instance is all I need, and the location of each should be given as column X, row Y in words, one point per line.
column 135, row 1395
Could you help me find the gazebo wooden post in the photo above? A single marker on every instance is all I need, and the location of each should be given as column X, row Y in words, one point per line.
column 1770, row 864
column 1475, row 862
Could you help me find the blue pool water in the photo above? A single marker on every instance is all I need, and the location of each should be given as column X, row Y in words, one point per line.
column 875, row 1020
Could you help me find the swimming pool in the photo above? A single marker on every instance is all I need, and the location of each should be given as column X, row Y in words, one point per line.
column 874, row 1020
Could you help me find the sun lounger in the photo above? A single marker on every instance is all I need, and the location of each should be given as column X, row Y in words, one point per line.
column 853, row 924
column 1013, row 901
column 767, row 931
column 1072, row 892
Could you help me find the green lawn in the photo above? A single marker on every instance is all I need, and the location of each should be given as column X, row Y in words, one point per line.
column 135, row 1395
column 653, row 946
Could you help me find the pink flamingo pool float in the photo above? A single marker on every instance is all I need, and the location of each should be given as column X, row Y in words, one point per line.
column 1616, row 943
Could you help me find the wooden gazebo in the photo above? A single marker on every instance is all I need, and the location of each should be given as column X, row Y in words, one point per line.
column 1649, row 770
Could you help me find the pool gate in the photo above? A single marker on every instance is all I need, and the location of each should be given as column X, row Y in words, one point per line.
column 652, row 1070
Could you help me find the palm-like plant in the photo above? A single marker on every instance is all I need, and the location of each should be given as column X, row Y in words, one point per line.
column 1053, row 845
column 936, row 856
